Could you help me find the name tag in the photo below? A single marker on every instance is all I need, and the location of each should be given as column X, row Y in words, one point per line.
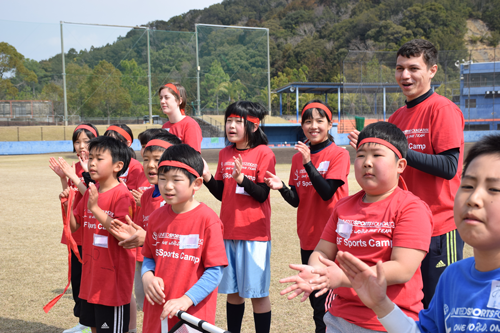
column 494, row 301
column 164, row 325
column 241, row 190
column 344, row 229
column 323, row 166
column 188, row 241
column 100, row 241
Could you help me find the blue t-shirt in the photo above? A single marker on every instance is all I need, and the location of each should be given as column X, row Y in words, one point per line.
column 466, row 300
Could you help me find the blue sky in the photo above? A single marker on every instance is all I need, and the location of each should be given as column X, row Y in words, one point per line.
column 33, row 27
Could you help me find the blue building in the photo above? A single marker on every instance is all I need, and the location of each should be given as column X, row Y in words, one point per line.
column 479, row 97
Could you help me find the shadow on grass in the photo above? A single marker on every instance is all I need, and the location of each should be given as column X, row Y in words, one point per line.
column 21, row 326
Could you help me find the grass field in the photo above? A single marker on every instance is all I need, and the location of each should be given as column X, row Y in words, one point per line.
column 34, row 265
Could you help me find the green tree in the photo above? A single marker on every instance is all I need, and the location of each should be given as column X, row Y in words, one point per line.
column 107, row 96
column 76, row 88
column 214, row 84
column 12, row 68
column 134, row 79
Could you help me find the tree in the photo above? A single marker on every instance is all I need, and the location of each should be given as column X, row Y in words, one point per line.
column 214, row 83
column 107, row 96
column 12, row 67
column 134, row 79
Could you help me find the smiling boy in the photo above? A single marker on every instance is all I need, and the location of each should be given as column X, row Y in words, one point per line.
column 467, row 297
column 382, row 222
column 108, row 269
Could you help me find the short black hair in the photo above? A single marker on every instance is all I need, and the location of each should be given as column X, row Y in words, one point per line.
column 185, row 154
column 487, row 145
column 145, row 136
column 89, row 134
column 164, row 136
column 120, row 137
column 388, row 132
column 417, row 47
column 245, row 109
column 118, row 150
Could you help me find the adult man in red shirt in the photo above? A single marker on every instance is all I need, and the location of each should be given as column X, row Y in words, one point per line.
column 433, row 126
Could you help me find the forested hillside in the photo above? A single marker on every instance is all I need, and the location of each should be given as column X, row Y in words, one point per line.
column 308, row 41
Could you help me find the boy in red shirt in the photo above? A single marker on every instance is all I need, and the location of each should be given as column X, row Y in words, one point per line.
column 434, row 127
column 133, row 234
column 382, row 222
column 108, row 269
column 185, row 241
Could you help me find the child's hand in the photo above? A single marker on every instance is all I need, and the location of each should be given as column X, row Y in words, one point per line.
column 371, row 287
column 206, row 171
column 93, row 196
column 69, row 170
column 172, row 306
column 84, row 160
column 274, row 182
column 329, row 276
column 353, row 138
column 301, row 282
column 64, row 195
column 120, row 230
column 54, row 166
column 238, row 164
column 153, row 288
column 137, row 194
column 305, row 151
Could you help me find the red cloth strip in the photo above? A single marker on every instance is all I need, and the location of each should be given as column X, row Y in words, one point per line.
column 121, row 131
column 318, row 106
column 158, row 142
column 88, row 128
column 66, row 215
column 181, row 165
column 381, row 142
column 251, row 119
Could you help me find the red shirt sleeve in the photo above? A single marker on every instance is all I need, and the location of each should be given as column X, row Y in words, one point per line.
column 214, row 253
column 268, row 163
column 414, row 226
column 193, row 135
column 339, row 164
column 330, row 232
column 447, row 128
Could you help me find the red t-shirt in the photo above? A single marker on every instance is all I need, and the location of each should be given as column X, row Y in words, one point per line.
column 108, row 269
column 369, row 231
column 77, row 235
column 183, row 246
column 244, row 217
column 332, row 162
column 187, row 130
column 148, row 205
column 134, row 177
column 431, row 127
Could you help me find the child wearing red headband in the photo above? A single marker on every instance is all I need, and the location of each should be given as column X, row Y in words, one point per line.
column 318, row 179
column 184, row 239
column 72, row 177
column 382, row 222
column 173, row 99
column 246, row 214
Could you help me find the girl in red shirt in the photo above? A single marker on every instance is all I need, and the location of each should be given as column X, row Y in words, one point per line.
column 173, row 99
column 73, row 178
column 245, row 213
column 318, row 179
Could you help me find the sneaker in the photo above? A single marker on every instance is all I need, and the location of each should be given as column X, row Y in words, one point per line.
column 78, row 328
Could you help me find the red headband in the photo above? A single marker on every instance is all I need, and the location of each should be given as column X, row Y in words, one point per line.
column 251, row 119
column 120, row 131
column 318, row 106
column 382, row 142
column 181, row 165
column 174, row 88
column 160, row 143
column 88, row 128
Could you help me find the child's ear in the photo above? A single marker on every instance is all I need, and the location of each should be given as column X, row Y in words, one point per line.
column 401, row 165
column 118, row 166
column 198, row 183
column 255, row 126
